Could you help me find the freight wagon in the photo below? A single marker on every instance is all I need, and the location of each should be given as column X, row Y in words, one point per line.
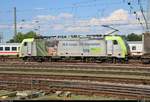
column 87, row 48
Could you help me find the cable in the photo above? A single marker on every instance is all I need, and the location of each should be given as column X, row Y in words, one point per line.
column 142, row 11
column 75, row 7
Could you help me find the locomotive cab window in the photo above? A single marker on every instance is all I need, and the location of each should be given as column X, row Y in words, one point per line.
column 1, row 48
column 115, row 42
column 14, row 48
column 25, row 43
column 7, row 48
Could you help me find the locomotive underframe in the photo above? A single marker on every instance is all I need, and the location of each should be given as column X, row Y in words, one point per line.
column 76, row 58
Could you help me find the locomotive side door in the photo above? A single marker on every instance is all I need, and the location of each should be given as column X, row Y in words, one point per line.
column 29, row 48
column 116, row 49
column 26, row 49
column 109, row 47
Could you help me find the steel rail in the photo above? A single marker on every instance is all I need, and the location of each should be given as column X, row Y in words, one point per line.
column 82, row 86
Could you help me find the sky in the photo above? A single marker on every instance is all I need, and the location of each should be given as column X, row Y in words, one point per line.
column 71, row 17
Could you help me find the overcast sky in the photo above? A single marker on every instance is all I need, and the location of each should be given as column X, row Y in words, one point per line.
column 67, row 17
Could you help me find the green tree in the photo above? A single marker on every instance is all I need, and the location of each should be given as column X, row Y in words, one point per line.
column 30, row 34
column 124, row 37
column 20, row 36
column 134, row 37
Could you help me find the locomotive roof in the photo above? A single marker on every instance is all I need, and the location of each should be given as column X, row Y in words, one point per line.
column 70, row 37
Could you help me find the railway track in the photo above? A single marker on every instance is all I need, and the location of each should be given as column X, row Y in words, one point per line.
column 76, row 86
column 15, row 62
column 78, row 77
column 87, row 70
column 19, row 61
column 112, row 79
column 78, row 65
column 119, row 74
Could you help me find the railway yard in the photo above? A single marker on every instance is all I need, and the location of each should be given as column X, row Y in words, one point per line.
column 67, row 81
column 75, row 50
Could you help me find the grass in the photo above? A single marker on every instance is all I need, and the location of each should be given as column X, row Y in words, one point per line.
column 3, row 92
column 62, row 97
column 75, row 97
column 6, row 94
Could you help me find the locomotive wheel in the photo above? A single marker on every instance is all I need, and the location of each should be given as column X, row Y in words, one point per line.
column 110, row 60
column 89, row 59
column 24, row 58
column 40, row 59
